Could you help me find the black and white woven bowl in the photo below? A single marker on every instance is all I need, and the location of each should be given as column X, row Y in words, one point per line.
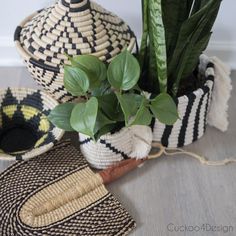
column 193, row 110
column 132, row 142
column 25, row 130
column 71, row 27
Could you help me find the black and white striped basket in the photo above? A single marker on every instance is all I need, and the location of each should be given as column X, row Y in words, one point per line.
column 71, row 27
column 193, row 110
column 132, row 142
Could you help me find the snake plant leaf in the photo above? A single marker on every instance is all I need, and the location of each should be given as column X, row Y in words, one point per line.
column 94, row 68
column 192, row 59
column 193, row 30
column 60, row 116
column 164, row 109
column 157, row 27
column 124, row 71
column 173, row 20
column 203, row 26
column 84, row 116
column 144, row 41
column 130, row 104
column 76, row 81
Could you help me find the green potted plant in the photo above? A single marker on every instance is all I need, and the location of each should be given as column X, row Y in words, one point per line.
column 175, row 33
column 113, row 115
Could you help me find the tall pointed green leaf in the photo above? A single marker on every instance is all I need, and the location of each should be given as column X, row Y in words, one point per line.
column 156, row 24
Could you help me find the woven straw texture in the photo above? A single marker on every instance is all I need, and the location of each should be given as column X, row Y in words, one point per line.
column 26, row 109
column 26, row 187
column 133, row 142
column 72, row 27
column 193, row 110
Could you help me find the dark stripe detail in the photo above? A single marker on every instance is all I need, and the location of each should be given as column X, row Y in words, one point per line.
column 113, row 149
column 206, row 110
column 197, row 119
column 86, row 141
column 17, row 33
column 210, row 65
column 182, row 133
column 19, row 158
column 78, row 9
column 44, row 66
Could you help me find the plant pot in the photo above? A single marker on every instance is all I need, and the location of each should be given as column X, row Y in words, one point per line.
column 71, row 27
column 193, row 110
column 25, row 131
column 133, row 142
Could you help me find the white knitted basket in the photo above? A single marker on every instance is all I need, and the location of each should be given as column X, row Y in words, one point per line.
column 193, row 110
column 133, row 142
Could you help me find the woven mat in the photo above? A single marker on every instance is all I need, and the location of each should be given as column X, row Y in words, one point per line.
column 26, row 188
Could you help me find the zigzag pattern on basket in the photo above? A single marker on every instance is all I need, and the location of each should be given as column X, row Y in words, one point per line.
column 28, row 108
column 72, row 28
column 193, row 109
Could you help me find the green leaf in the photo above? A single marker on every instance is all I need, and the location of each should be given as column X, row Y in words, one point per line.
column 94, row 68
column 130, row 103
column 84, row 116
column 75, row 81
column 198, row 40
column 124, row 71
column 105, row 130
column 109, row 104
column 143, row 116
column 101, row 121
column 158, row 33
column 103, row 89
column 164, row 109
column 192, row 34
column 60, row 116
column 144, row 41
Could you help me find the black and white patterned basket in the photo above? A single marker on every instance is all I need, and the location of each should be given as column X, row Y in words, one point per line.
column 193, row 110
column 71, row 27
column 132, row 142
column 24, row 109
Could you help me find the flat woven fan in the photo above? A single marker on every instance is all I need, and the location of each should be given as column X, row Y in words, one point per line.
column 25, row 131
column 71, row 27
column 58, row 194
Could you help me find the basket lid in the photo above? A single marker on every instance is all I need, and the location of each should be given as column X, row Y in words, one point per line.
column 73, row 27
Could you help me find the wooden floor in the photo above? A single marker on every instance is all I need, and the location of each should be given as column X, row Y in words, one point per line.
column 174, row 191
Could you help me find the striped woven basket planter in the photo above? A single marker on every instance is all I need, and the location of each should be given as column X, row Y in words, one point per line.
column 133, row 142
column 25, row 131
column 193, row 110
column 71, row 27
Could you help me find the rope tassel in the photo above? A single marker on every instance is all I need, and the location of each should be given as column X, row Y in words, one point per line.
column 115, row 172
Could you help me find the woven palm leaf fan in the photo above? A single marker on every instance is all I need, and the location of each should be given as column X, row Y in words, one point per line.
column 71, row 27
column 58, row 194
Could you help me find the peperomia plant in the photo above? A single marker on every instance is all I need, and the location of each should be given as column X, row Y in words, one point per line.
column 110, row 97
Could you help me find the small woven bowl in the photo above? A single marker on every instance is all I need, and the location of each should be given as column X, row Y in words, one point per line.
column 25, row 131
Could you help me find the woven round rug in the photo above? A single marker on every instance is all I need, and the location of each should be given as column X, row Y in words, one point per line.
column 69, row 27
column 38, row 198
column 25, row 131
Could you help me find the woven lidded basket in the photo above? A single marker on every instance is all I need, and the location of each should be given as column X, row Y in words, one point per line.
column 193, row 110
column 25, row 131
column 71, row 27
column 132, row 142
